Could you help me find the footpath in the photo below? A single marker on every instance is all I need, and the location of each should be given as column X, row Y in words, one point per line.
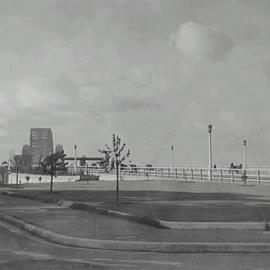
column 86, row 225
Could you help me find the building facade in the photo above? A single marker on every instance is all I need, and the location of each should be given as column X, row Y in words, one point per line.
column 41, row 143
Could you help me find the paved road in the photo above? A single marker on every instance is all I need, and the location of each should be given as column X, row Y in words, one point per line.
column 21, row 251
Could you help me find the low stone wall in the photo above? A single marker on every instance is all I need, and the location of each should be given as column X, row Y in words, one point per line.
column 34, row 178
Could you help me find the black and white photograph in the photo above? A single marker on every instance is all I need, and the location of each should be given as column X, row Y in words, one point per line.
column 135, row 134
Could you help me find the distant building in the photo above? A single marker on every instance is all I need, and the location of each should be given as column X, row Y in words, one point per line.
column 22, row 162
column 26, row 158
column 41, row 143
column 26, row 150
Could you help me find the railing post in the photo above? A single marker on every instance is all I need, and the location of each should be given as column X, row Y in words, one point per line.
column 161, row 172
column 221, row 179
column 191, row 170
column 169, row 172
column 258, row 177
column 201, row 175
column 232, row 176
column 175, row 172
column 183, row 173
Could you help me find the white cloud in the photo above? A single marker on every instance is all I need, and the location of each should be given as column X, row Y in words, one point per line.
column 198, row 41
column 195, row 115
column 95, row 97
column 230, row 120
column 2, row 100
column 33, row 94
column 191, row 39
column 28, row 97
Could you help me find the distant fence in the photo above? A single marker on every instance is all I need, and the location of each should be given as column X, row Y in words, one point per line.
column 255, row 175
column 186, row 174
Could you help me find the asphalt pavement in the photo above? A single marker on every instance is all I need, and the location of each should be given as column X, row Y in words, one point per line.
column 20, row 251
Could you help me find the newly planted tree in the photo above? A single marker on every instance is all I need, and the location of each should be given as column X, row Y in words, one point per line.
column 114, row 157
column 53, row 163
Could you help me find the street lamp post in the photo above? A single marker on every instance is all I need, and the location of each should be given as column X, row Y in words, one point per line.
column 75, row 157
column 245, row 153
column 172, row 148
column 210, row 127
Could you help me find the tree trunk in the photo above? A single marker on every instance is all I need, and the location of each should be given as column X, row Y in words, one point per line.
column 17, row 176
column 117, row 182
column 51, row 181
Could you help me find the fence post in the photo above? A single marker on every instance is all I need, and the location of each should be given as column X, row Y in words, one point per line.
column 258, row 177
column 232, row 176
column 221, row 179
column 201, row 174
column 191, row 170
column 161, row 172
column 169, row 173
column 175, row 172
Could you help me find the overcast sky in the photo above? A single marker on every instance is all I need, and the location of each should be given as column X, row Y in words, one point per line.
column 154, row 72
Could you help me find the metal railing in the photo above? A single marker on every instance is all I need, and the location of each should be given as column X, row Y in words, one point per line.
column 255, row 175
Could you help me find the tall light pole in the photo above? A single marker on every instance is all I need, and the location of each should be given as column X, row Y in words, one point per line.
column 210, row 127
column 172, row 148
column 245, row 153
column 75, row 157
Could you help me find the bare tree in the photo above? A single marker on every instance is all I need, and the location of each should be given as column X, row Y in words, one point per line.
column 114, row 157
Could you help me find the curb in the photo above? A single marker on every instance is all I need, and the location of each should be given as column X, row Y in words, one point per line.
column 262, row 226
column 160, row 224
column 138, row 219
column 165, row 247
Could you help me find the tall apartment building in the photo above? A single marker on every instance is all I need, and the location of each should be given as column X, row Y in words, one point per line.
column 41, row 142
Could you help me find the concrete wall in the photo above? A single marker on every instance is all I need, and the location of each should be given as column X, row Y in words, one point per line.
column 34, row 178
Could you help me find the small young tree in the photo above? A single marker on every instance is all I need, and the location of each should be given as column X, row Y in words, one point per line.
column 27, row 178
column 53, row 163
column 114, row 157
